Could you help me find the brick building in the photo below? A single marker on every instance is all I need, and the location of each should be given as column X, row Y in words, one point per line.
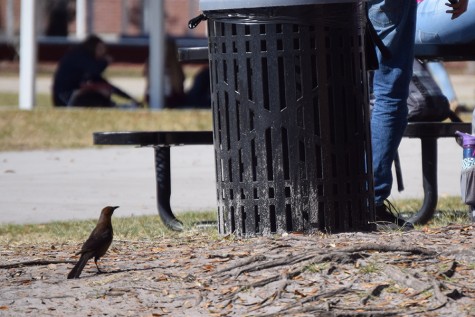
column 105, row 17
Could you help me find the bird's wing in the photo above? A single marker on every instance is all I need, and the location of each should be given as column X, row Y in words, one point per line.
column 97, row 240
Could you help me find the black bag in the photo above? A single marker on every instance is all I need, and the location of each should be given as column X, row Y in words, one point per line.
column 426, row 102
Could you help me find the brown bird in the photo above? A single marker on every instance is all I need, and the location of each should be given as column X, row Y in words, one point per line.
column 97, row 244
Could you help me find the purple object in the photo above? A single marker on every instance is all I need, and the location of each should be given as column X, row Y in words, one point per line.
column 467, row 139
column 468, row 143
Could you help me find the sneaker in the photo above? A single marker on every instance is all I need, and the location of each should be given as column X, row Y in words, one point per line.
column 387, row 218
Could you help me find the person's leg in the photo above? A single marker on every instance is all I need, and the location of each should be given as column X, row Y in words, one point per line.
column 394, row 21
column 90, row 98
column 440, row 75
column 444, row 31
column 435, row 26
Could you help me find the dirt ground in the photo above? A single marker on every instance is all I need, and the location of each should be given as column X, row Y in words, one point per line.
column 428, row 272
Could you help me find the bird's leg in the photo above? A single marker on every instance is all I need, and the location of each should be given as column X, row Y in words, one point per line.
column 98, row 269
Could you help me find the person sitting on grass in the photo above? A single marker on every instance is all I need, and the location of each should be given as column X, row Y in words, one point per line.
column 78, row 79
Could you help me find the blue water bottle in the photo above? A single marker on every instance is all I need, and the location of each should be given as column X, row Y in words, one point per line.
column 468, row 144
column 466, row 181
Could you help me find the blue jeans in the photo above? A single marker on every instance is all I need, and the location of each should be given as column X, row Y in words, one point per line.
column 394, row 21
column 434, row 25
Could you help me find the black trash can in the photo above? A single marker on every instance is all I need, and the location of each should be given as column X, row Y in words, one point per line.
column 291, row 116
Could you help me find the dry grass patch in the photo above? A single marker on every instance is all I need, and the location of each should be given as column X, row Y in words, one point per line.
column 136, row 228
column 73, row 128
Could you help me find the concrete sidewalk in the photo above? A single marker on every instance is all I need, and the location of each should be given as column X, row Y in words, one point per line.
column 44, row 186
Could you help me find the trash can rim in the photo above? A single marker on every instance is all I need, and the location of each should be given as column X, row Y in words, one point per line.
column 209, row 5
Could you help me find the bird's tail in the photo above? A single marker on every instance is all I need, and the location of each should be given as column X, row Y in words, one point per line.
column 77, row 269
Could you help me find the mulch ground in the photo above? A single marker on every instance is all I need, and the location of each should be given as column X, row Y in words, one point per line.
column 428, row 272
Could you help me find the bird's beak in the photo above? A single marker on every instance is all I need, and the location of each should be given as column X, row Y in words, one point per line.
column 115, row 207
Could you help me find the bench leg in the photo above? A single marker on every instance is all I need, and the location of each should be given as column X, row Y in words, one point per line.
column 429, row 181
column 162, row 170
